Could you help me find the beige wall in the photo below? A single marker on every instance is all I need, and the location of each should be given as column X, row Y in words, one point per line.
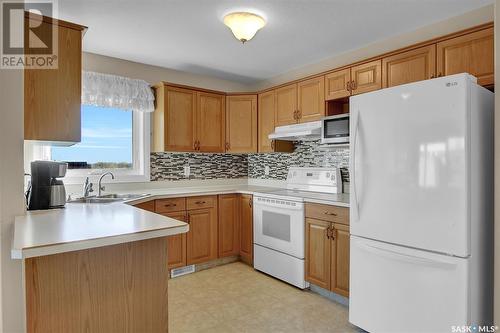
column 497, row 167
column 155, row 74
column 470, row 19
column 11, row 196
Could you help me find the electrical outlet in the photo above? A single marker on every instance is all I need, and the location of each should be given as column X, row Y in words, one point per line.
column 266, row 170
column 187, row 171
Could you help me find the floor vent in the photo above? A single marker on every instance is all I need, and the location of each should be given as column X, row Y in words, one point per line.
column 181, row 271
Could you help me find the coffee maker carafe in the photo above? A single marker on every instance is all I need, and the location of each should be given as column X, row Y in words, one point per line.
column 46, row 190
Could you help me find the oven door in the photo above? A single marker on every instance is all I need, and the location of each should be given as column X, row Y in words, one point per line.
column 279, row 225
column 335, row 129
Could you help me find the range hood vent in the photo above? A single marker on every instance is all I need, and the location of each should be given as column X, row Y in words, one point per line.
column 310, row 131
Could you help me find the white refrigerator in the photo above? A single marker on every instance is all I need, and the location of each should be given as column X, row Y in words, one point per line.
column 421, row 253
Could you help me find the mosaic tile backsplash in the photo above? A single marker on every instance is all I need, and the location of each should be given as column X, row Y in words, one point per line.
column 170, row 166
column 306, row 154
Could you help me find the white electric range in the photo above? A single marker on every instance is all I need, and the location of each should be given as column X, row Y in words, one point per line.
column 279, row 222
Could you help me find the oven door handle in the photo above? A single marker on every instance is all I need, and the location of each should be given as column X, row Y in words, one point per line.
column 263, row 205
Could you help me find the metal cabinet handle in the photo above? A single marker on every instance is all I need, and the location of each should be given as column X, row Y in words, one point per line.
column 299, row 114
column 170, row 205
column 354, row 85
column 272, row 144
column 250, row 203
column 331, row 214
column 348, row 86
column 329, row 232
column 200, row 202
column 228, row 146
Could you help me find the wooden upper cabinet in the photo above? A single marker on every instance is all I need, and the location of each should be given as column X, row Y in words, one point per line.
column 241, row 124
column 266, row 119
column 202, row 235
column 286, row 105
column 340, row 260
column 366, row 77
column 472, row 53
column 410, row 66
column 311, row 99
column 337, row 84
column 176, row 244
column 246, row 228
column 229, row 225
column 318, row 252
column 174, row 119
column 53, row 97
column 210, row 122
column 267, row 110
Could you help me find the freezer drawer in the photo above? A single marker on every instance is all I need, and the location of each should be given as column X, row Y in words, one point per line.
column 398, row 289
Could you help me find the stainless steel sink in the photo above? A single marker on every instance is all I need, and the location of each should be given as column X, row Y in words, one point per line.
column 108, row 198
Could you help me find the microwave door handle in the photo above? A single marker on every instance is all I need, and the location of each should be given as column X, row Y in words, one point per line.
column 353, row 166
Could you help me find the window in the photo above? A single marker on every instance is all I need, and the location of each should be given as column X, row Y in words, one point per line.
column 106, row 141
column 113, row 140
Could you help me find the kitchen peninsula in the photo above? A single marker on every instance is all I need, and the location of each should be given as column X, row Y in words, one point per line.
column 95, row 267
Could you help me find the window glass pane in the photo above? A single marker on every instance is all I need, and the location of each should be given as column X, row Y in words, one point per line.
column 106, row 140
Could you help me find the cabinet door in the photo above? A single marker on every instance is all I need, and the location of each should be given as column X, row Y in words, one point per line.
column 176, row 244
column 286, row 105
column 246, row 228
column 267, row 111
column 411, row 66
column 318, row 253
column 340, row 260
column 179, row 119
column 241, row 124
column 210, row 122
column 229, row 225
column 366, row 77
column 472, row 53
column 336, row 84
column 148, row 205
column 311, row 99
column 53, row 97
column 202, row 235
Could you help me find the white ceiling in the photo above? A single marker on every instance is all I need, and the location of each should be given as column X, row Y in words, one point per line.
column 189, row 35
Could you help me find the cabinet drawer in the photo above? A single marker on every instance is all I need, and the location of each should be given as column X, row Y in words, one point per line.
column 328, row 213
column 170, row 205
column 201, row 202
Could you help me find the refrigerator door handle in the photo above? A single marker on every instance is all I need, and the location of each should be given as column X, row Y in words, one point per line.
column 407, row 257
column 353, row 167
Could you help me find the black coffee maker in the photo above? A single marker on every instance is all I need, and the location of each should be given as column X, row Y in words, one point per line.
column 46, row 190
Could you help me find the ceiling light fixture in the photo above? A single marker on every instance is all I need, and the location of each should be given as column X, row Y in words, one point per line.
column 244, row 25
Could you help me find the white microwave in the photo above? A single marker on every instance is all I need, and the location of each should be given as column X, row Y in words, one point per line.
column 335, row 129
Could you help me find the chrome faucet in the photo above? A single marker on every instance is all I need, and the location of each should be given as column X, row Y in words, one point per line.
column 87, row 188
column 99, row 186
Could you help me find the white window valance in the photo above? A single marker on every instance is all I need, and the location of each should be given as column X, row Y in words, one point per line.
column 107, row 90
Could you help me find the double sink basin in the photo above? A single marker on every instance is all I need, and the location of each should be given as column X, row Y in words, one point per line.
column 108, row 198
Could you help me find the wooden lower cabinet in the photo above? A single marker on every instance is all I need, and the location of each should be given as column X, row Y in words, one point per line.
column 229, row 225
column 327, row 253
column 176, row 245
column 339, row 269
column 246, row 228
column 318, row 253
column 202, row 235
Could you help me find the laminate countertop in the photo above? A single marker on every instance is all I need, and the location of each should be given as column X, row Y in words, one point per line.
column 81, row 226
